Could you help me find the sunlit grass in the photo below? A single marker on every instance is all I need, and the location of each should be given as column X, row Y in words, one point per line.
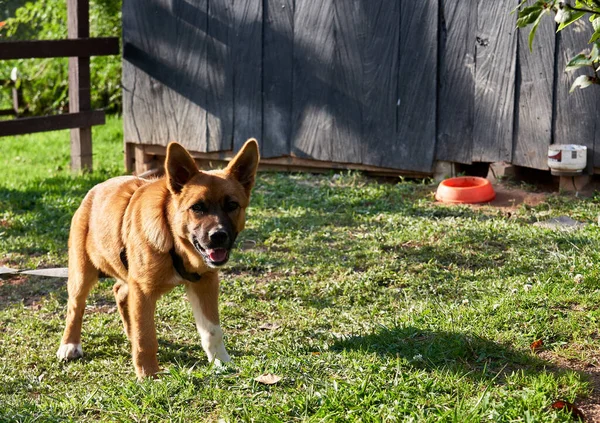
column 371, row 301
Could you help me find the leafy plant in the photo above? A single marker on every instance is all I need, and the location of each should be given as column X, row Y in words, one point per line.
column 565, row 14
column 44, row 82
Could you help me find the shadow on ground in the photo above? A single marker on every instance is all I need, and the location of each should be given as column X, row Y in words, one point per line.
column 478, row 358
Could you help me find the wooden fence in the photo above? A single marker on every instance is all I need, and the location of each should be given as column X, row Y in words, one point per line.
column 377, row 84
column 79, row 47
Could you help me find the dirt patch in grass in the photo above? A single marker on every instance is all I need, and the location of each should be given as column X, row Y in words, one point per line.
column 590, row 406
column 511, row 198
column 28, row 290
column 13, row 280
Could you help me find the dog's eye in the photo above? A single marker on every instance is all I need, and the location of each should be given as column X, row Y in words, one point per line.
column 199, row 208
column 231, row 206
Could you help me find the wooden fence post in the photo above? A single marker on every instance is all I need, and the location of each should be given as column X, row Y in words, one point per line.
column 79, row 85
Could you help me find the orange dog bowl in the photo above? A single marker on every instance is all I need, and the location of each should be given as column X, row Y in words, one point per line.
column 465, row 189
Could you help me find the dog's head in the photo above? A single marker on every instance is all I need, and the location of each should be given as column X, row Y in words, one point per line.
column 209, row 207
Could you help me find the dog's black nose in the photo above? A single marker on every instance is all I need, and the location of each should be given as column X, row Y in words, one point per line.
column 219, row 237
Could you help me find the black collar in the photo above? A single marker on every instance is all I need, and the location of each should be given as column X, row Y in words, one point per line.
column 180, row 268
column 177, row 264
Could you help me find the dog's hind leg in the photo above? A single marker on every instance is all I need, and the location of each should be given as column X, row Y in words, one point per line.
column 82, row 278
column 120, row 289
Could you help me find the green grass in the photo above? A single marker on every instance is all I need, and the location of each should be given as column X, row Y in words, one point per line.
column 386, row 306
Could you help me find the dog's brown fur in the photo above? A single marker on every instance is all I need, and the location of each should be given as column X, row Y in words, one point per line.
column 129, row 228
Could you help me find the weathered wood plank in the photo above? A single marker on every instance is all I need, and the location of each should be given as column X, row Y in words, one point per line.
column 380, row 78
column 346, row 101
column 417, row 85
column 535, row 78
column 190, row 99
column 314, row 46
column 277, row 77
column 247, row 71
column 494, row 81
column 457, row 81
column 220, row 96
column 164, row 73
column 57, row 272
column 7, row 271
column 576, row 112
column 84, row 47
column 30, row 125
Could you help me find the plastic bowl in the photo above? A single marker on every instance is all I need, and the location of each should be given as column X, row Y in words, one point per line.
column 465, row 189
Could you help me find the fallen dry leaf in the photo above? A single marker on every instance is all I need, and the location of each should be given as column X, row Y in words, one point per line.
column 564, row 405
column 536, row 345
column 248, row 245
column 268, row 379
column 269, row 326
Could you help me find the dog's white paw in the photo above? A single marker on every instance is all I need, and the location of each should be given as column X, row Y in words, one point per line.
column 220, row 356
column 222, row 359
column 69, row 351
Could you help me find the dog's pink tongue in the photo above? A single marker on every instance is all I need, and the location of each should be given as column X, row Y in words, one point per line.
column 218, row 254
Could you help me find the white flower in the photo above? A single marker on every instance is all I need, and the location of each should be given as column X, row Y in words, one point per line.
column 578, row 278
column 418, row 357
column 465, row 302
column 563, row 14
column 527, row 287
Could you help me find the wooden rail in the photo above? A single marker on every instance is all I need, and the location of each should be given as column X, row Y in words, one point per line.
column 29, row 125
column 79, row 47
column 58, row 48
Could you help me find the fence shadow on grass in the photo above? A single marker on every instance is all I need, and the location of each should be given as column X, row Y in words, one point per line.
column 478, row 358
column 36, row 225
column 29, row 290
column 38, row 216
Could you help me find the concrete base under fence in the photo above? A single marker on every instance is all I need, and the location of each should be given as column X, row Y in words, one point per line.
column 443, row 170
column 144, row 159
column 575, row 183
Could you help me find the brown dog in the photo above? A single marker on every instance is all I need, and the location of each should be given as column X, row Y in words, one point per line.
column 152, row 235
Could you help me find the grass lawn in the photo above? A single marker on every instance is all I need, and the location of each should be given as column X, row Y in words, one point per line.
column 371, row 302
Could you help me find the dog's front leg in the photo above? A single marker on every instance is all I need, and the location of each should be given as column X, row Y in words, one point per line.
column 204, row 298
column 142, row 331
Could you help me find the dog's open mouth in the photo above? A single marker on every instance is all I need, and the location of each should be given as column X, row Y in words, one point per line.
column 212, row 256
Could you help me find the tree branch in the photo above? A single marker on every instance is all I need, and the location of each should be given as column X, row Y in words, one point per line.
column 585, row 10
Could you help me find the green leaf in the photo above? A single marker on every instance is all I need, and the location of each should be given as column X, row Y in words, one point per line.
column 535, row 27
column 595, row 53
column 583, row 59
column 521, row 3
column 574, row 16
column 596, row 34
column 579, row 61
column 529, row 15
column 586, row 4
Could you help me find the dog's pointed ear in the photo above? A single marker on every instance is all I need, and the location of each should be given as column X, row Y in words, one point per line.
column 180, row 167
column 244, row 165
